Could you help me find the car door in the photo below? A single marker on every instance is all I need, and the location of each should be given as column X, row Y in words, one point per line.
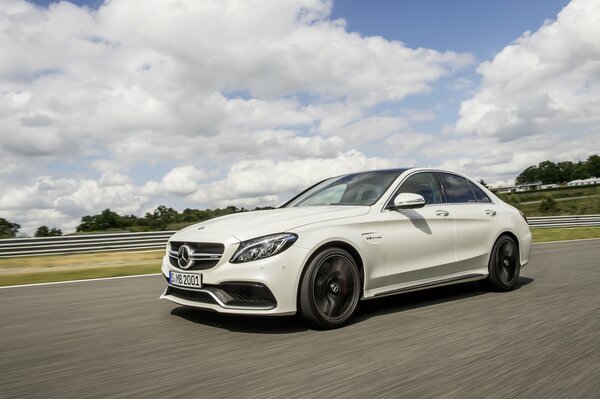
column 474, row 220
column 419, row 242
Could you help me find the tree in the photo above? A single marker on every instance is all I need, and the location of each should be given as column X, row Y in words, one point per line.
column 548, row 172
column 105, row 220
column 593, row 165
column 44, row 231
column 8, row 229
column 571, row 171
column 483, row 183
column 162, row 216
column 529, row 175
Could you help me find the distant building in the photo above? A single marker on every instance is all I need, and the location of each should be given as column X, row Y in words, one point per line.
column 584, row 182
column 519, row 188
column 549, row 186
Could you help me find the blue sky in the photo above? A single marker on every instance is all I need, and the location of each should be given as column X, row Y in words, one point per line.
column 480, row 27
column 217, row 102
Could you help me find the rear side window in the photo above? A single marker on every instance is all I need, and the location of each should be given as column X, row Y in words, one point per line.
column 456, row 188
column 423, row 184
column 480, row 196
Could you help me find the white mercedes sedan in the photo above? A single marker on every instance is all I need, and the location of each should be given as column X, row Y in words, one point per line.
column 349, row 238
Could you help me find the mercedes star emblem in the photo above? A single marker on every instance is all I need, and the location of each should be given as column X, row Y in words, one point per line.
column 184, row 256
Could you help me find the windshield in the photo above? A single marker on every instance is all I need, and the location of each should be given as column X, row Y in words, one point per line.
column 356, row 189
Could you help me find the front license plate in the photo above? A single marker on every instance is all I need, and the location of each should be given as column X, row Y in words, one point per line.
column 185, row 279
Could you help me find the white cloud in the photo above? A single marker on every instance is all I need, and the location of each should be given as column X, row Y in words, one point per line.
column 546, row 82
column 182, row 180
column 539, row 99
column 61, row 202
column 113, row 179
column 268, row 182
column 77, row 81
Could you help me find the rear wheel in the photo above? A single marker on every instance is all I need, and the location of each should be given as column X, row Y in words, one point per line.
column 330, row 289
column 504, row 265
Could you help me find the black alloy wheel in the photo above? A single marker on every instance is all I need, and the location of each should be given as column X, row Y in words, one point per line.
column 504, row 265
column 330, row 289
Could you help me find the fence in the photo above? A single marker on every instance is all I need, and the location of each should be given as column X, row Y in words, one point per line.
column 158, row 239
column 564, row 221
column 84, row 243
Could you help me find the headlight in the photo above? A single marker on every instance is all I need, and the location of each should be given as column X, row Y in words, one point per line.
column 263, row 247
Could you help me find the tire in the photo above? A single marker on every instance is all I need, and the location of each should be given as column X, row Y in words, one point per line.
column 330, row 289
column 504, row 265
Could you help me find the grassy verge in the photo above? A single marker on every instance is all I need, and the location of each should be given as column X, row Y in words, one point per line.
column 84, row 273
column 41, row 269
column 578, row 206
column 567, row 201
column 561, row 233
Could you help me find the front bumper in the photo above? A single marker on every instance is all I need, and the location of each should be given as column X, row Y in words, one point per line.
column 263, row 287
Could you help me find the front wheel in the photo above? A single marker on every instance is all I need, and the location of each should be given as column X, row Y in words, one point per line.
column 330, row 289
column 504, row 265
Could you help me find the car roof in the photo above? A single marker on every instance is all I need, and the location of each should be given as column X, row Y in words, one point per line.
column 398, row 171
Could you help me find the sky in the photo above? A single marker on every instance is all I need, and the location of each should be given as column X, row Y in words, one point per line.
column 129, row 104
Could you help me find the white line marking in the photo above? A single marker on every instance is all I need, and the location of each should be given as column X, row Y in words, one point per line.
column 558, row 242
column 80, row 281
column 158, row 274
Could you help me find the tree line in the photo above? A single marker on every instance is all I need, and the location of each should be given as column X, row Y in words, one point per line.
column 10, row 230
column 160, row 219
column 549, row 172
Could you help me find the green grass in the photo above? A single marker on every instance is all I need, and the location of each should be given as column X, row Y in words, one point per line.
column 560, row 192
column 561, row 233
column 80, row 274
column 41, row 269
column 578, row 206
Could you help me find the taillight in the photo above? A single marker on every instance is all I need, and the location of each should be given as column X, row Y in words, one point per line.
column 524, row 217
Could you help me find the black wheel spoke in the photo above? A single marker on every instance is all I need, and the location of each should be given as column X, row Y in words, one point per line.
column 329, row 305
column 510, row 253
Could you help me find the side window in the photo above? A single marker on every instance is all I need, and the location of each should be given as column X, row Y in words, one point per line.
column 480, row 196
column 456, row 188
column 423, row 184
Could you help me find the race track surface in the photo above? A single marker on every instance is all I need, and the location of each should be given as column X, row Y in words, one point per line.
column 114, row 338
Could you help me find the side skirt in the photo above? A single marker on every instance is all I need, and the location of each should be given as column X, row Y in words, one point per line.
column 430, row 284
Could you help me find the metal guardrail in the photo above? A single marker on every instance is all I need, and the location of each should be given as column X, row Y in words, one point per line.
column 564, row 221
column 84, row 243
column 157, row 240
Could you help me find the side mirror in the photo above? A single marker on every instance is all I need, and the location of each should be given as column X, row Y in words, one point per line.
column 408, row 201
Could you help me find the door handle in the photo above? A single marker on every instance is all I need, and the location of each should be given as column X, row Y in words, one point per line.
column 441, row 212
column 490, row 212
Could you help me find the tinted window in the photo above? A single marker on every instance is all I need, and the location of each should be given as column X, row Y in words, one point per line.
column 480, row 196
column 456, row 188
column 423, row 184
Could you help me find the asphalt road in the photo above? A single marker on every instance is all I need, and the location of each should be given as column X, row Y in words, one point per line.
column 114, row 339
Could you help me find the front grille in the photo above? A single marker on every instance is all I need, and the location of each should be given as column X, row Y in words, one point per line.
column 189, row 295
column 207, row 255
column 204, row 247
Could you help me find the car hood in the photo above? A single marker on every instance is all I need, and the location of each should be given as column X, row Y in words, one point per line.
column 247, row 225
